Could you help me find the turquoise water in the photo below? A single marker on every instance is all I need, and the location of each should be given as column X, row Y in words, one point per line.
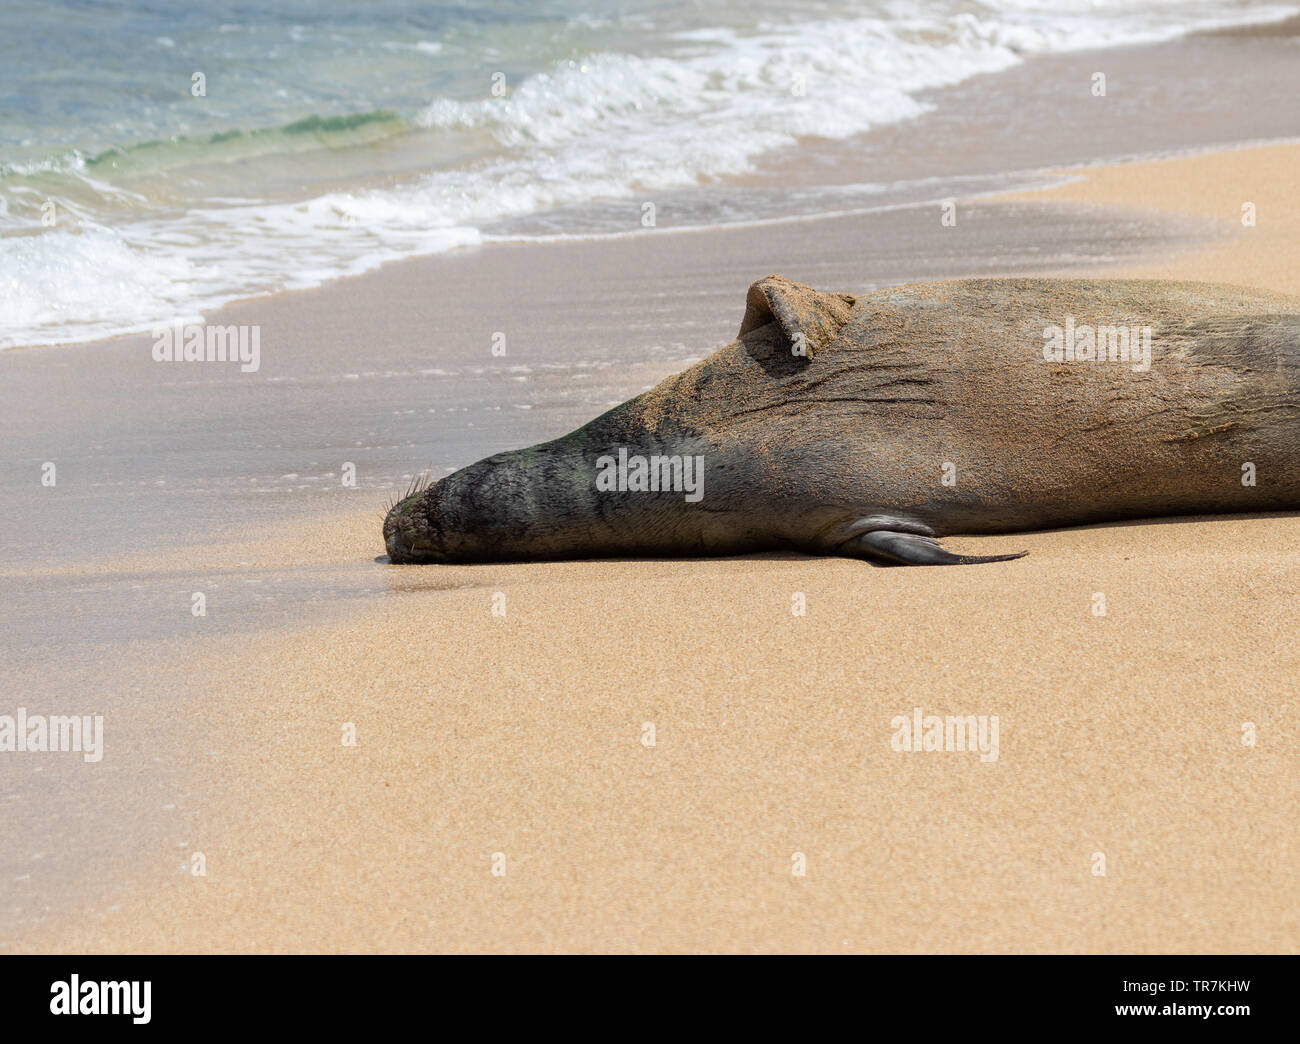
column 329, row 138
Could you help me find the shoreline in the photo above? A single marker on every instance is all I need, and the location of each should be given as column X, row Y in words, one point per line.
column 1017, row 191
column 1046, row 86
column 523, row 735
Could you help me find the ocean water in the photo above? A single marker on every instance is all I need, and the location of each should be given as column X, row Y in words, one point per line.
column 328, row 138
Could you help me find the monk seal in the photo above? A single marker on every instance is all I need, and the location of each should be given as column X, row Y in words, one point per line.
column 870, row 425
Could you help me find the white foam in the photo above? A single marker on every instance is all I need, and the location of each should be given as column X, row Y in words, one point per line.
column 87, row 284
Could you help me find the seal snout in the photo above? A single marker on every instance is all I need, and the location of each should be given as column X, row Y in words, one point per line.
column 399, row 548
column 408, row 534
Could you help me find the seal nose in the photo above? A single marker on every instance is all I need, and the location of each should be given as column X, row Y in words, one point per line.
column 408, row 535
column 398, row 534
column 398, row 550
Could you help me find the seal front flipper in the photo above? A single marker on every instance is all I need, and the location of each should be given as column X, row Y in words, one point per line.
column 883, row 545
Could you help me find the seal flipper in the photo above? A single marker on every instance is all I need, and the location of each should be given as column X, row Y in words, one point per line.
column 883, row 545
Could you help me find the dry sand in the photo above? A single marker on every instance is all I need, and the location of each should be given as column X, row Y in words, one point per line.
column 1219, row 185
column 1120, row 735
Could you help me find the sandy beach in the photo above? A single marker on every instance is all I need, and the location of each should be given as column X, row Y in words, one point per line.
column 519, row 741
column 309, row 749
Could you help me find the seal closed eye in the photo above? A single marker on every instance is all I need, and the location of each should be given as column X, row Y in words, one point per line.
column 870, row 425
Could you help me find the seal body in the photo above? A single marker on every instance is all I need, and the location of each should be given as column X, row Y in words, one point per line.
column 870, row 425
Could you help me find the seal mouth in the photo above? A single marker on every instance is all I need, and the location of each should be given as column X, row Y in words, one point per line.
column 402, row 550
